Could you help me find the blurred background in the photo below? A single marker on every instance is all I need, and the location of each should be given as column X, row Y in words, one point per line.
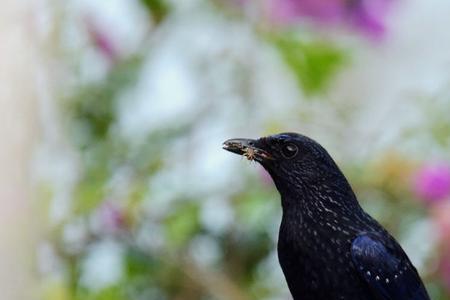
column 114, row 184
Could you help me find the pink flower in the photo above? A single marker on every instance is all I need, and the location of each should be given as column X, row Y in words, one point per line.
column 444, row 270
column 367, row 16
column 102, row 40
column 288, row 11
column 111, row 217
column 440, row 214
column 432, row 183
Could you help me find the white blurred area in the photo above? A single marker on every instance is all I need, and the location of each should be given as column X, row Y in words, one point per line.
column 20, row 61
column 384, row 84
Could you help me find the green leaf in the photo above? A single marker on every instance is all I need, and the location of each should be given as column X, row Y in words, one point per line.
column 110, row 293
column 314, row 63
column 182, row 224
column 158, row 9
column 89, row 193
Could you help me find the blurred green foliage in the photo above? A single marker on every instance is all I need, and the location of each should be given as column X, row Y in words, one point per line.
column 162, row 246
column 314, row 63
column 92, row 109
column 182, row 224
column 158, row 9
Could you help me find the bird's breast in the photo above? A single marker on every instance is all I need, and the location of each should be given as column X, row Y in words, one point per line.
column 317, row 262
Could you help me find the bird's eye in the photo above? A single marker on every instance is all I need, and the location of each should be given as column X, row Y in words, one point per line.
column 289, row 150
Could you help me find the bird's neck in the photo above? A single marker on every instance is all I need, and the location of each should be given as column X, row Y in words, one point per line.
column 319, row 201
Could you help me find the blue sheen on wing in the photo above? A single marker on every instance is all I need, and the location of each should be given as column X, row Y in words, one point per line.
column 386, row 269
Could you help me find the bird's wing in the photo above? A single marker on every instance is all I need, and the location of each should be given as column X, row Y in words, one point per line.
column 386, row 268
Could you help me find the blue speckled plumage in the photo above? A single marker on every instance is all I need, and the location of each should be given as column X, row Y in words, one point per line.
column 328, row 247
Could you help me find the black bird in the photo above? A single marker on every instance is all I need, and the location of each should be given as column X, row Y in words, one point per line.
column 328, row 247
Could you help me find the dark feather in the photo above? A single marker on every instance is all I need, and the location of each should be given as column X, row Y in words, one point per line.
column 386, row 268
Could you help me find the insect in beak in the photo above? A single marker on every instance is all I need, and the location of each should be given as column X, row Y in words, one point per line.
column 246, row 148
column 250, row 153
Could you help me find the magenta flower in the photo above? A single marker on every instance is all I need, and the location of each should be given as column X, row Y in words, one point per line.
column 288, row 11
column 367, row 16
column 102, row 40
column 432, row 183
column 440, row 214
column 111, row 217
column 444, row 270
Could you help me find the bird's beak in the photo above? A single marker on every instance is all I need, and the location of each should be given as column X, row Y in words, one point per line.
column 246, row 147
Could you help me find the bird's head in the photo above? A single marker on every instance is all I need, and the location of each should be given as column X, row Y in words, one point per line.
column 294, row 161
